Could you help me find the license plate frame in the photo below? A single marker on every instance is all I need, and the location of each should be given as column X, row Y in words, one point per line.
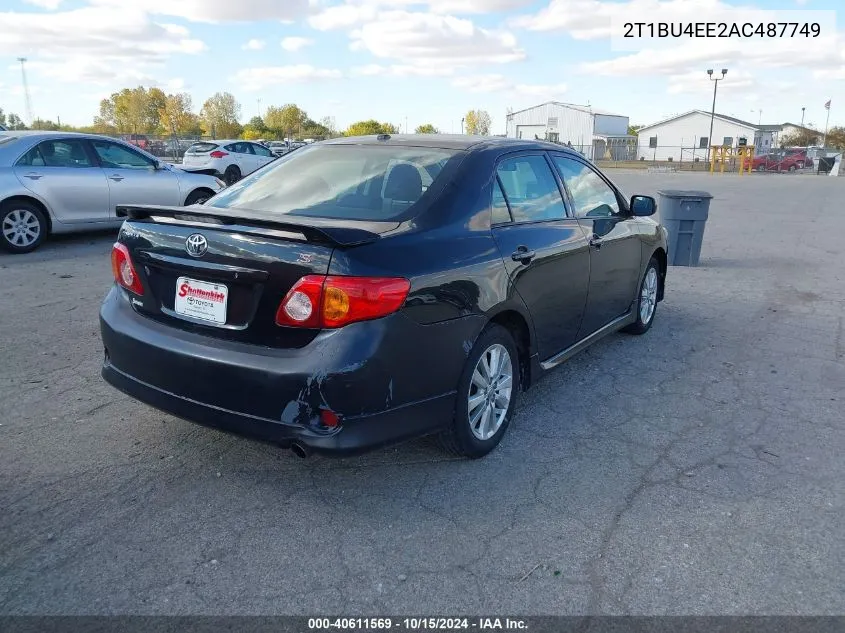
column 206, row 301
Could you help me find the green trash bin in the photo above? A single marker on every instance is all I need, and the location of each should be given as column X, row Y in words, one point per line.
column 684, row 214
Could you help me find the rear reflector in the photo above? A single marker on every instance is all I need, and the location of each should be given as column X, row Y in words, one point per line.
column 329, row 418
column 123, row 270
column 218, row 154
column 317, row 301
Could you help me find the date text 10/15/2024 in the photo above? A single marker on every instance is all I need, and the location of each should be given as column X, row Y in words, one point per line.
column 417, row 624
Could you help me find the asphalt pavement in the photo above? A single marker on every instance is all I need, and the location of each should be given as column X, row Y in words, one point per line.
column 695, row 470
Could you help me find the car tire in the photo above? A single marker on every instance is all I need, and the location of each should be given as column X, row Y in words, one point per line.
column 792, row 168
column 646, row 305
column 198, row 196
column 761, row 168
column 18, row 221
column 231, row 175
column 478, row 427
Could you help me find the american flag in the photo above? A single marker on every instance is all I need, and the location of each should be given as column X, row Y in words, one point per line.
column 827, row 105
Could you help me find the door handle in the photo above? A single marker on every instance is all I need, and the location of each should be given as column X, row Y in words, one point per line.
column 523, row 255
column 595, row 242
column 116, row 178
column 33, row 176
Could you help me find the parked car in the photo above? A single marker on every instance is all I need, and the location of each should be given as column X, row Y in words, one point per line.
column 138, row 140
column 777, row 161
column 334, row 302
column 801, row 157
column 59, row 182
column 279, row 148
column 230, row 160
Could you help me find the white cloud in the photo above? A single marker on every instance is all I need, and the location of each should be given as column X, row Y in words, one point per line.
column 424, row 38
column 402, row 70
column 100, row 44
column 253, row 79
column 294, row 44
column 354, row 12
column 254, row 45
column 213, row 11
column 499, row 83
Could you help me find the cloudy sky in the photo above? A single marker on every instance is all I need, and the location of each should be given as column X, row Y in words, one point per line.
column 420, row 60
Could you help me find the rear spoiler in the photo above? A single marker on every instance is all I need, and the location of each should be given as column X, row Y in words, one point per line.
column 333, row 231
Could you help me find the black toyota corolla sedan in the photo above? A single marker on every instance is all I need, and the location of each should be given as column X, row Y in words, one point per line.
column 363, row 291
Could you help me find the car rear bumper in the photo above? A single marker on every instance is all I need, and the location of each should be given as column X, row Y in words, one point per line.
column 276, row 395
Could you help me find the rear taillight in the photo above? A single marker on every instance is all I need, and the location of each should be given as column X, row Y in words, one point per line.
column 318, row 301
column 218, row 154
column 123, row 269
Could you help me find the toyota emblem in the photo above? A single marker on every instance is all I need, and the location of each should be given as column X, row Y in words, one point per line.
column 196, row 245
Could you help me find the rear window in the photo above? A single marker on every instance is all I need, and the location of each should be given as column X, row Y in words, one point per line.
column 201, row 148
column 352, row 182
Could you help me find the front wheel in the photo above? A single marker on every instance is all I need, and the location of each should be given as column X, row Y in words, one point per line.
column 487, row 395
column 22, row 227
column 792, row 168
column 200, row 196
column 646, row 300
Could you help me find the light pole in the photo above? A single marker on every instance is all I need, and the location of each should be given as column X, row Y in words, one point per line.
column 716, row 81
column 462, row 125
column 802, row 116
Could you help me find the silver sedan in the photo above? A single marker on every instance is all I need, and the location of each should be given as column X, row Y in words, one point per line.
column 59, row 182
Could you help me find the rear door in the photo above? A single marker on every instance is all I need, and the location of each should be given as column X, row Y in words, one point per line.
column 64, row 174
column 242, row 154
column 543, row 247
column 133, row 178
column 615, row 250
column 262, row 155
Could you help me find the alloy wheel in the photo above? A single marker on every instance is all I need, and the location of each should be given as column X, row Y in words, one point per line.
column 648, row 296
column 21, row 228
column 490, row 392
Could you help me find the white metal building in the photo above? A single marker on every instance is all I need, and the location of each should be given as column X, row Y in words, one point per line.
column 685, row 137
column 591, row 131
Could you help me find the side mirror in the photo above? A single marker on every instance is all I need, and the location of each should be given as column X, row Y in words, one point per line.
column 643, row 206
column 160, row 165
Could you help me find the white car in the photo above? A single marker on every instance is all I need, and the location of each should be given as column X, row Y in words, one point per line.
column 230, row 160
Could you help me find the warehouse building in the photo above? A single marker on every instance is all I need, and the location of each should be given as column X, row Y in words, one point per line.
column 685, row 137
column 597, row 134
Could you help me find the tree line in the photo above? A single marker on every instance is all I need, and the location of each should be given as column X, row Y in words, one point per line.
column 151, row 111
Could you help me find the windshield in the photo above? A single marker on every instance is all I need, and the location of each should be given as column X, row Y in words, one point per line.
column 352, row 182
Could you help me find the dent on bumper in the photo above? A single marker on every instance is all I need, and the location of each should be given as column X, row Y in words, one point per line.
column 276, row 395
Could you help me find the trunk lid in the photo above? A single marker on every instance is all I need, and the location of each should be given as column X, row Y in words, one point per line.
column 224, row 275
column 199, row 153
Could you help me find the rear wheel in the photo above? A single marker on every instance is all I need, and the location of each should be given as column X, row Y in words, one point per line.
column 200, row 196
column 22, row 226
column 646, row 300
column 487, row 395
column 232, row 174
column 761, row 168
column 792, row 168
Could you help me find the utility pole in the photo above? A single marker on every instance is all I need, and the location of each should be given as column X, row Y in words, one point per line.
column 22, row 60
column 713, row 109
column 802, row 116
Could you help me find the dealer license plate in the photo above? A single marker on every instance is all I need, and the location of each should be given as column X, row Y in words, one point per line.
column 201, row 300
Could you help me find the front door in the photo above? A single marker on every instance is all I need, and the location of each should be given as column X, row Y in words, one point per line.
column 262, row 155
column 543, row 247
column 64, row 176
column 615, row 250
column 133, row 177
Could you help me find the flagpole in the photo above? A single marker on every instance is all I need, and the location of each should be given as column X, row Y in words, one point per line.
column 827, row 120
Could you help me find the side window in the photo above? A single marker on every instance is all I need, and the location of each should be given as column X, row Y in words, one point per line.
column 114, row 156
column 531, row 189
column 591, row 195
column 260, row 150
column 236, row 148
column 501, row 213
column 56, row 154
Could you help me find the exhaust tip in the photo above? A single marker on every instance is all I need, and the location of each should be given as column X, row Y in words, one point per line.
column 299, row 450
